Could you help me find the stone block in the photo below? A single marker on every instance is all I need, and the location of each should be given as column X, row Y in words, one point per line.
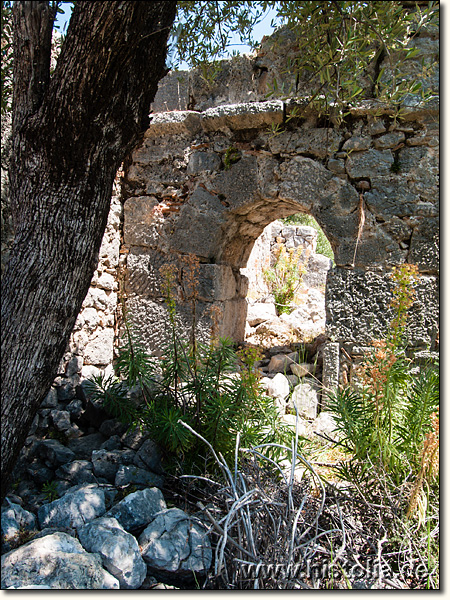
column 216, row 282
column 203, row 161
column 358, row 307
column 99, row 351
column 331, row 367
column 369, row 163
column 198, row 228
column 58, row 562
column 118, row 549
column 305, row 399
column 139, row 221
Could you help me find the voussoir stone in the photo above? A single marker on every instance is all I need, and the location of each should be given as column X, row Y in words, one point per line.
column 118, row 549
column 78, row 506
column 57, row 561
column 137, row 509
column 177, row 543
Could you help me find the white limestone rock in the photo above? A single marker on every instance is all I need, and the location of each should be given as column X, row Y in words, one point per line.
column 305, row 398
column 58, row 562
column 177, row 543
column 260, row 312
column 79, row 505
column 118, row 549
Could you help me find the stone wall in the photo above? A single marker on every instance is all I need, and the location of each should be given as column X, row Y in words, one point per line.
column 210, row 175
column 94, row 335
column 183, row 196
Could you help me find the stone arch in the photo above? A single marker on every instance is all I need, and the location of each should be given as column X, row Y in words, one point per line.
column 207, row 183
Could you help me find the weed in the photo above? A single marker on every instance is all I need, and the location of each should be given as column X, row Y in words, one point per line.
column 389, row 420
column 232, row 155
column 285, row 277
column 50, row 490
column 194, row 382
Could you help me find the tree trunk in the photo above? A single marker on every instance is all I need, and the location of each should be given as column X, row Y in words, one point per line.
column 71, row 131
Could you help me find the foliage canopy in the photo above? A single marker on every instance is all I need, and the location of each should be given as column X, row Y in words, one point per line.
column 345, row 50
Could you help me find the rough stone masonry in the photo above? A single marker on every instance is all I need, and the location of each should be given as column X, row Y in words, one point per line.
column 211, row 174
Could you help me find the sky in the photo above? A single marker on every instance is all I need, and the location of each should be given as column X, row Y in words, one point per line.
column 262, row 29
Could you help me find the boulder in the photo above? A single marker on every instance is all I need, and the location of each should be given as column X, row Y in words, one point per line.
column 79, row 505
column 106, row 463
column 277, row 388
column 303, row 427
column 134, row 438
column 301, row 370
column 280, row 363
column 61, row 419
column 112, row 443
column 149, row 457
column 176, row 543
column 260, row 312
column 51, row 399
column 38, row 472
column 53, row 453
column 76, row 472
column 118, row 549
column 84, row 446
column 325, row 424
column 58, row 562
column 305, row 398
column 137, row 509
column 131, row 474
column 112, row 427
column 275, row 331
column 14, row 519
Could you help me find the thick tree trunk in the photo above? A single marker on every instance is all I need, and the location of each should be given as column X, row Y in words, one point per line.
column 70, row 134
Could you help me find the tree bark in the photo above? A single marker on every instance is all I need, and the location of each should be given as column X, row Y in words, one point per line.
column 71, row 131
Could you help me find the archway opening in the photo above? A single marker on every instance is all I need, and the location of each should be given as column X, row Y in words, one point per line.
column 287, row 273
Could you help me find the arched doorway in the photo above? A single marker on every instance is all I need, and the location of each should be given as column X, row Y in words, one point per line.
column 287, row 272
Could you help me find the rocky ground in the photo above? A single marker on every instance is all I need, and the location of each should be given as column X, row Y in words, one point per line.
column 87, row 508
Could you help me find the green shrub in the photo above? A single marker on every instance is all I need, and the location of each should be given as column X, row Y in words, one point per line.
column 285, row 277
column 389, row 421
column 193, row 382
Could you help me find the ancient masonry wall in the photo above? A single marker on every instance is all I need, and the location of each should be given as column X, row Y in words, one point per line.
column 211, row 174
